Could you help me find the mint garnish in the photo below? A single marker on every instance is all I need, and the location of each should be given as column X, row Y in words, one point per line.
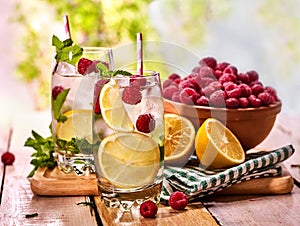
column 66, row 51
column 57, row 105
column 104, row 71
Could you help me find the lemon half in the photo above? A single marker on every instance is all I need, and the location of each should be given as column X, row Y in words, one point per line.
column 179, row 140
column 129, row 160
column 216, row 146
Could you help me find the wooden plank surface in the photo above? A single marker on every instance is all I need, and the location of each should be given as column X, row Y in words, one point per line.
column 194, row 214
column 18, row 199
column 264, row 209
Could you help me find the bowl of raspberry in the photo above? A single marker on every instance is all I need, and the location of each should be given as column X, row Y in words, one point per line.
column 218, row 90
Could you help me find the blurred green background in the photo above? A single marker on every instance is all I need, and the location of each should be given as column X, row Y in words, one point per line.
column 260, row 34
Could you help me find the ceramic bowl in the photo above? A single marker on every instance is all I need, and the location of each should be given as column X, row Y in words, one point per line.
column 250, row 125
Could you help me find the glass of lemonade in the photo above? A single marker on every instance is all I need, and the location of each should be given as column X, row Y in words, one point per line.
column 129, row 138
column 72, row 106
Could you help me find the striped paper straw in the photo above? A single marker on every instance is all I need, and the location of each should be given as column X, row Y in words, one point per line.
column 139, row 54
column 67, row 26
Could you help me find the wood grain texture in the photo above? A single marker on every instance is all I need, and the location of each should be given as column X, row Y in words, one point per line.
column 18, row 199
column 194, row 214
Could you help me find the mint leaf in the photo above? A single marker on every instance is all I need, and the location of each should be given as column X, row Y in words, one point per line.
column 121, row 72
column 57, row 105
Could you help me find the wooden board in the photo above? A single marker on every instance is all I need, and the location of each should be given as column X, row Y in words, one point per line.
column 53, row 182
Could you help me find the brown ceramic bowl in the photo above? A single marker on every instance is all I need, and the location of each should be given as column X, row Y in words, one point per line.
column 250, row 125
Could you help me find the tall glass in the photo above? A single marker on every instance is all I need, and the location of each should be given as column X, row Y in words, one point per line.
column 129, row 138
column 72, row 106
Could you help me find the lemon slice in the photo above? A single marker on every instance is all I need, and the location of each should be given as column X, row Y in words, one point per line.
column 179, row 140
column 129, row 160
column 216, row 146
column 77, row 125
column 112, row 108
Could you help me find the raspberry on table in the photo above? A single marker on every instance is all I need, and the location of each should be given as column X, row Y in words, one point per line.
column 178, row 200
column 56, row 90
column 131, row 95
column 145, row 123
column 148, row 209
column 83, row 65
column 7, row 158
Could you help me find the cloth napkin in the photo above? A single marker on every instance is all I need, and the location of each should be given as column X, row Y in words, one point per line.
column 197, row 182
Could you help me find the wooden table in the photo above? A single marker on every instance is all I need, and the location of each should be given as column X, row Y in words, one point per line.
column 17, row 199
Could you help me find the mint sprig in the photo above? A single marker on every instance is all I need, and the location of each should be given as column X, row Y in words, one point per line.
column 67, row 50
column 104, row 71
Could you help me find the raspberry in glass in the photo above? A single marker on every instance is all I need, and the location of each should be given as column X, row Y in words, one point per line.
column 132, row 95
column 83, row 65
column 8, row 158
column 56, row 90
column 137, row 80
column 145, row 123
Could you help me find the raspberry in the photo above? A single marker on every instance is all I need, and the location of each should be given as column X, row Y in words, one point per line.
column 229, row 86
column 266, row 98
column 272, row 91
column 132, row 95
column 202, row 101
column 254, row 101
column 174, row 76
column 208, row 90
column 231, row 70
column 232, row 102
column 243, row 102
column 196, row 69
column 227, row 78
column 167, row 83
column 204, row 81
column 148, row 209
column 221, row 66
column 208, row 61
column 178, row 200
column 234, row 93
column 98, row 86
column 244, row 78
column 137, row 80
column 83, row 65
column 257, row 89
column 177, row 81
column 169, row 91
column 218, row 73
column 175, row 97
column 188, row 96
column 253, row 75
column 206, row 72
column 245, row 90
column 189, row 83
column 145, row 123
column 7, row 158
column 217, row 98
column 56, row 90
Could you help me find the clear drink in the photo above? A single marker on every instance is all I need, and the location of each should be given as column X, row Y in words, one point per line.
column 129, row 136
column 72, row 106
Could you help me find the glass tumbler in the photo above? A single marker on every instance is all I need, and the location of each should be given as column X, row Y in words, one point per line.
column 72, row 106
column 129, row 139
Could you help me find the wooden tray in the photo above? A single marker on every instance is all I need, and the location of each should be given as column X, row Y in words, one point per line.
column 53, row 182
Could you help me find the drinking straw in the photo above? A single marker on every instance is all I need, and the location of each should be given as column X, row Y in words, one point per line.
column 139, row 54
column 67, row 26
column 111, row 60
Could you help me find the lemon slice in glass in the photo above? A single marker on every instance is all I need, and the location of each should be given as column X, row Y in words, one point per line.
column 112, row 108
column 216, row 146
column 77, row 125
column 129, row 160
column 179, row 140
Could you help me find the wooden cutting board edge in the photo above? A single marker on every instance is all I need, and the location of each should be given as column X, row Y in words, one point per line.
column 51, row 182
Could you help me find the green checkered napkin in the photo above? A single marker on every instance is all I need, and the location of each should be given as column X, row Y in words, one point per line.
column 197, row 182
